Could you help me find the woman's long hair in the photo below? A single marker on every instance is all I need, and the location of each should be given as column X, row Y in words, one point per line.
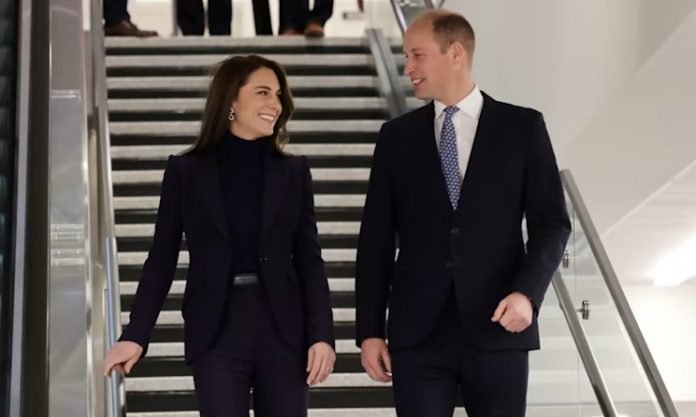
column 229, row 77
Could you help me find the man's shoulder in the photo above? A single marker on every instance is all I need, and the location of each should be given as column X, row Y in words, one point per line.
column 512, row 110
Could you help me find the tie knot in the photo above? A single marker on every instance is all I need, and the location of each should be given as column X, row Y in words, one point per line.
column 450, row 110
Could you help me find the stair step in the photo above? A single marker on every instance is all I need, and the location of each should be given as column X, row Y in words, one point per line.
column 326, row 86
column 192, row 129
column 174, row 317
column 320, row 200
column 175, row 334
column 163, row 152
column 178, row 286
column 141, row 244
column 356, row 397
column 339, row 299
column 333, row 269
column 324, row 214
column 571, row 410
column 319, row 187
column 359, row 63
column 221, row 44
column 197, row 104
column 360, row 60
column 558, row 382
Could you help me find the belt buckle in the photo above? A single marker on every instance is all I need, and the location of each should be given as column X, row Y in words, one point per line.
column 246, row 279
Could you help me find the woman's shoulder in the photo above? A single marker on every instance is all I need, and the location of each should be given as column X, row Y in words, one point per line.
column 188, row 158
column 296, row 162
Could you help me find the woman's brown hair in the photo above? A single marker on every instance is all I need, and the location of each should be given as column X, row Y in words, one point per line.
column 229, row 77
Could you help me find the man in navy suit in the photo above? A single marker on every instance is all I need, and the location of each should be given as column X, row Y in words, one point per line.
column 450, row 185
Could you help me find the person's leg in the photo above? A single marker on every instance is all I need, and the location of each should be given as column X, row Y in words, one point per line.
column 115, row 12
column 280, row 378
column 222, row 382
column 294, row 16
column 223, row 375
column 424, row 383
column 494, row 384
column 117, row 21
column 322, row 11
column 317, row 18
column 280, row 385
column 190, row 17
column 425, row 378
column 262, row 17
column 220, row 17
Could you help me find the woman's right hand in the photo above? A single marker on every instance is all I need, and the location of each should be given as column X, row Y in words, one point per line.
column 122, row 355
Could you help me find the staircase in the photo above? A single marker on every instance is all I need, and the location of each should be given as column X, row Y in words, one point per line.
column 156, row 95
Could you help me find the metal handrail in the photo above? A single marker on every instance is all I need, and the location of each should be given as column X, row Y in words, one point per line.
column 115, row 393
column 611, row 280
column 399, row 15
column 594, row 374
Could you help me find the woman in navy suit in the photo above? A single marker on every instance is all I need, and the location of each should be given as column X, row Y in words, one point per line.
column 257, row 307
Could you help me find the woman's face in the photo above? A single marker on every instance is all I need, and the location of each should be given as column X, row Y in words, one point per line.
column 258, row 106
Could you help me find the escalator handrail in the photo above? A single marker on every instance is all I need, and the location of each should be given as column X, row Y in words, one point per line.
column 115, row 390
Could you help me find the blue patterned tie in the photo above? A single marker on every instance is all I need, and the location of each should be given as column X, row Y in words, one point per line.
column 449, row 157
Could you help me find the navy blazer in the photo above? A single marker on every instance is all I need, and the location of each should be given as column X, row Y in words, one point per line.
column 476, row 252
column 290, row 262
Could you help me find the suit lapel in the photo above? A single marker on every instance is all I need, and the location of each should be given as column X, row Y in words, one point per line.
column 478, row 157
column 429, row 154
column 209, row 181
column 275, row 180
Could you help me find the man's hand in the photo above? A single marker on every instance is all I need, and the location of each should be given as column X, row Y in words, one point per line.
column 375, row 359
column 514, row 313
column 122, row 356
column 320, row 361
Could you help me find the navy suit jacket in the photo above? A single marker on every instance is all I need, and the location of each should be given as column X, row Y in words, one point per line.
column 290, row 262
column 476, row 252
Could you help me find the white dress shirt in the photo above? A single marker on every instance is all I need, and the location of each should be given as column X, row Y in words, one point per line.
column 465, row 124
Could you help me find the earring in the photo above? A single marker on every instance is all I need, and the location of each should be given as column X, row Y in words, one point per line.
column 231, row 116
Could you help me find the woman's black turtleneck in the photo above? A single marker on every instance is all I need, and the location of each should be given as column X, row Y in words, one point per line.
column 241, row 172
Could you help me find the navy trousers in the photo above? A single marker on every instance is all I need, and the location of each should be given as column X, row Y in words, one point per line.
column 248, row 353
column 427, row 378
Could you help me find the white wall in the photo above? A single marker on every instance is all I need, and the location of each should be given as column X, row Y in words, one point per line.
column 665, row 316
column 608, row 75
column 564, row 58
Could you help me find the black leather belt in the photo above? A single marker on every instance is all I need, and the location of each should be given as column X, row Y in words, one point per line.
column 245, row 279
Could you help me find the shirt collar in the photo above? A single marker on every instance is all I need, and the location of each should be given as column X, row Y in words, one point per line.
column 470, row 105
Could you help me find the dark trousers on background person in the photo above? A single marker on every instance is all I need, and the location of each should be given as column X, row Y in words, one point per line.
column 115, row 11
column 295, row 14
column 262, row 17
column 427, row 378
column 249, row 352
column 191, row 19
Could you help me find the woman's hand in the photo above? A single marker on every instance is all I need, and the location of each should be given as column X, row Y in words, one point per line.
column 320, row 361
column 122, row 355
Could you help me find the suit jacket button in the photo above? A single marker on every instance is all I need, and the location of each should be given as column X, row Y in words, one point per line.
column 454, row 230
column 449, row 265
column 263, row 259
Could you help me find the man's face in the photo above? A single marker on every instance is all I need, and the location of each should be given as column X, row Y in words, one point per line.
column 426, row 65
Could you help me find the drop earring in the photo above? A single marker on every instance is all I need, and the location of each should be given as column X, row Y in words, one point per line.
column 231, row 116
